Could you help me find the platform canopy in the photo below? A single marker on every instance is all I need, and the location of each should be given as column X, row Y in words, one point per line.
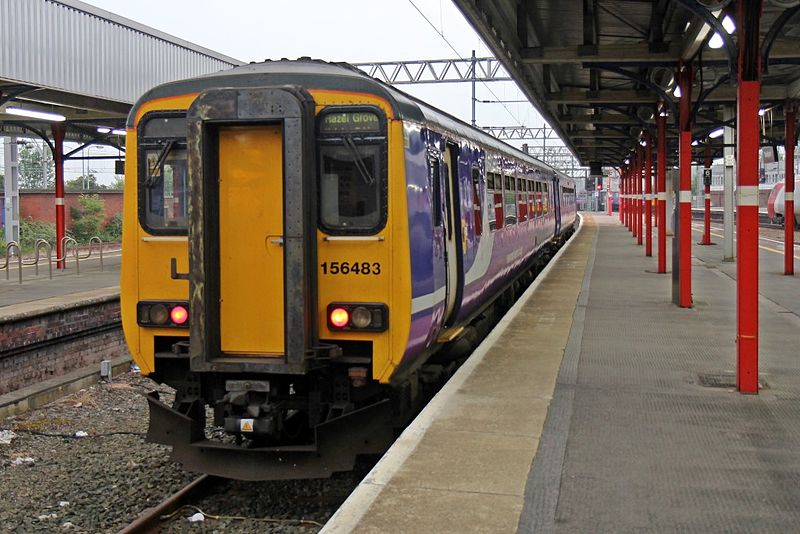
column 85, row 64
column 598, row 69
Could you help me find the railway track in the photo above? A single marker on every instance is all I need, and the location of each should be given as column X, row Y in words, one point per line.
column 718, row 216
column 152, row 519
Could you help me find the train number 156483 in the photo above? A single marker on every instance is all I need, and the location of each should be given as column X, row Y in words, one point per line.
column 354, row 267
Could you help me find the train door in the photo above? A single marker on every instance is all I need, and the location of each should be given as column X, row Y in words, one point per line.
column 557, row 204
column 250, row 231
column 453, row 233
column 253, row 279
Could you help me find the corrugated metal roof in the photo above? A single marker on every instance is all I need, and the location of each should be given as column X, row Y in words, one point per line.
column 72, row 47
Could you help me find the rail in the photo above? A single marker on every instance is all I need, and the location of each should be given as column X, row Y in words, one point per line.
column 69, row 246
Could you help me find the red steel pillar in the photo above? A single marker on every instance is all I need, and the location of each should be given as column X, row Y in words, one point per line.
column 707, row 197
column 788, row 219
column 638, row 200
column 685, row 191
column 648, row 191
column 627, row 196
column 609, row 198
column 661, row 188
column 621, row 196
column 747, row 147
column 59, row 129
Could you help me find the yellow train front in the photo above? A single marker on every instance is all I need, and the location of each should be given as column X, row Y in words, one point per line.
column 299, row 239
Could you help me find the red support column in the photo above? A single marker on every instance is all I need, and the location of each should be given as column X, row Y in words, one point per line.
column 788, row 219
column 639, row 201
column 648, row 205
column 685, row 191
column 621, row 196
column 661, row 188
column 707, row 198
column 627, row 197
column 747, row 147
column 59, row 129
column 609, row 198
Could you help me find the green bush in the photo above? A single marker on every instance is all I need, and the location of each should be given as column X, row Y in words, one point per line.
column 113, row 230
column 86, row 219
column 30, row 231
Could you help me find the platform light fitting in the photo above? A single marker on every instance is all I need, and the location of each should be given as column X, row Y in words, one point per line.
column 54, row 117
column 716, row 133
column 716, row 39
column 695, row 142
column 677, row 91
column 118, row 132
column 103, row 130
column 761, row 112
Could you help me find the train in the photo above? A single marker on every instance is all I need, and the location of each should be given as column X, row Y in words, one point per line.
column 305, row 249
column 776, row 204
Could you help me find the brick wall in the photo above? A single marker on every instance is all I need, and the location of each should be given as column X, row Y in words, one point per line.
column 41, row 345
column 40, row 205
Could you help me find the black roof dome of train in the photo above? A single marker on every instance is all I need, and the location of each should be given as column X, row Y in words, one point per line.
column 308, row 73
column 317, row 74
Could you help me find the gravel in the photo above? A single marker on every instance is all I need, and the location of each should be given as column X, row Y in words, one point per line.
column 101, row 482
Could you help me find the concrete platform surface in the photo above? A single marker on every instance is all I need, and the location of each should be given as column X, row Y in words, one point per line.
column 624, row 399
column 462, row 466
column 64, row 283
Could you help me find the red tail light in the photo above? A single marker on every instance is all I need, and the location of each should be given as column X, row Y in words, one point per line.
column 179, row 315
column 340, row 317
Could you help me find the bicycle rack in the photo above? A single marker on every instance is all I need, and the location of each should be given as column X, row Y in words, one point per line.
column 9, row 246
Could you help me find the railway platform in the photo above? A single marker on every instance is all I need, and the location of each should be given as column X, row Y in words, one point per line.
column 64, row 283
column 54, row 332
column 597, row 405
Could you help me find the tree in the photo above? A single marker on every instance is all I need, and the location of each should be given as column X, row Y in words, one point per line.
column 87, row 219
column 86, row 181
column 118, row 184
column 36, row 167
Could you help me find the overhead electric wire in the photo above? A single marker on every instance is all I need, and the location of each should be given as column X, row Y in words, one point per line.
column 441, row 34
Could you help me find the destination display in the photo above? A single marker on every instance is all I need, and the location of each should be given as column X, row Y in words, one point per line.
column 356, row 122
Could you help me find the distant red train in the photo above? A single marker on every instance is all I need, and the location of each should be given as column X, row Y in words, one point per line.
column 776, row 205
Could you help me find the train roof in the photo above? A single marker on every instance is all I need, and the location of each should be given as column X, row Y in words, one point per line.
column 317, row 74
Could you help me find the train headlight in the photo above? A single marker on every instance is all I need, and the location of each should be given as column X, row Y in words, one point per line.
column 361, row 317
column 357, row 316
column 163, row 314
column 158, row 314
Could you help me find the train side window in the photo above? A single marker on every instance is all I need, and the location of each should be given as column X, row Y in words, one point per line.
column 476, row 201
column 435, row 184
column 352, row 170
column 531, row 200
column 546, row 198
column 163, row 178
column 510, row 200
column 494, row 190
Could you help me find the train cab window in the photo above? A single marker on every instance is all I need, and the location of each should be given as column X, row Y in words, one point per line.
column 163, row 178
column 352, row 170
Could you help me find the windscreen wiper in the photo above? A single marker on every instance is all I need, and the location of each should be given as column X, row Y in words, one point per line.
column 362, row 169
column 151, row 177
